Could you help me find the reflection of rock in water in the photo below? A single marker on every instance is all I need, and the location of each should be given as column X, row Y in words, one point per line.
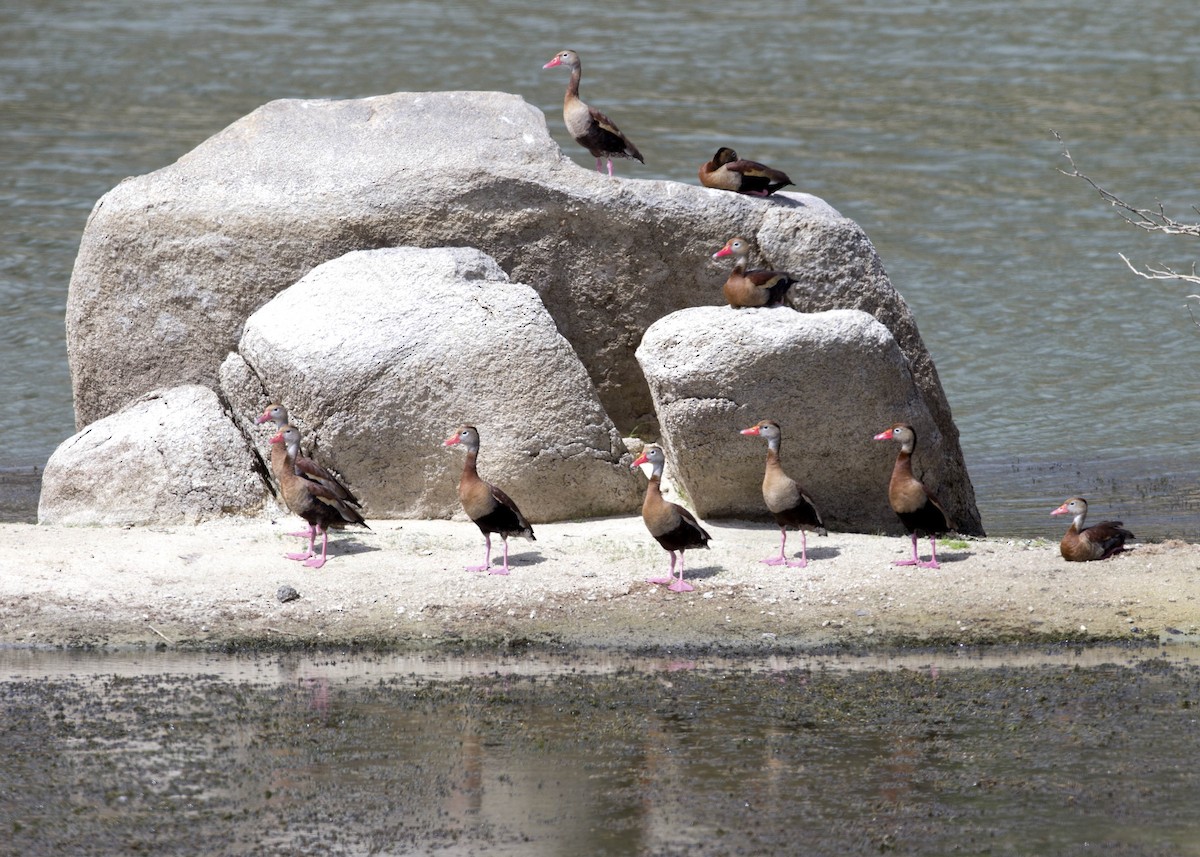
column 295, row 757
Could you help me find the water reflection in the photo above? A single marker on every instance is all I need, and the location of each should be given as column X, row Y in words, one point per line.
column 336, row 754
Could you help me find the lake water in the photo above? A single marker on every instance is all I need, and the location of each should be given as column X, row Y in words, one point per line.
column 929, row 123
column 1063, row 752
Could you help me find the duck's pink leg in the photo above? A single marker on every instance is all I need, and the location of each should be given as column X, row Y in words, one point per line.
column 600, row 165
column 670, row 576
column 803, row 561
column 318, row 561
column 312, row 538
column 487, row 555
column 782, row 558
column 304, row 534
column 681, row 585
column 933, row 563
column 503, row 570
column 610, row 172
column 914, row 560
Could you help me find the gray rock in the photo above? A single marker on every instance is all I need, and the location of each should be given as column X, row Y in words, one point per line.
column 170, row 457
column 171, row 264
column 284, row 594
column 411, row 343
column 831, row 379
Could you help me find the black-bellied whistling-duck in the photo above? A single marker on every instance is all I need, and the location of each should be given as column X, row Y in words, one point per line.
column 1099, row 541
column 673, row 527
column 917, row 508
column 788, row 502
column 726, row 171
column 754, row 288
column 591, row 128
column 310, row 499
column 491, row 509
column 303, row 464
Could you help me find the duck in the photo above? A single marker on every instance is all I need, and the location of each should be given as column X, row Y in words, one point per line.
column 673, row 527
column 787, row 501
column 726, row 171
column 591, row 128
column 755, row 288
column 491, row 509
column 310, row 499
column 915, row 505
column 1099, row 541
column 278, row 414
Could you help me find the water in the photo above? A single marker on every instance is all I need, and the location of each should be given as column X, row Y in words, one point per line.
column 929, row 123
column 1063, row 752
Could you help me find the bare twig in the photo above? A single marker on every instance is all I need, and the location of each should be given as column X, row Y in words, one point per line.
column 1149, row 219
column 1163, row 273
column 161, row 634
column 1189, row 308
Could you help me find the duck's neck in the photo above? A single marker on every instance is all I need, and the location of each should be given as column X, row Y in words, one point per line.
column 573, row 83
column 469, row 469
column 773, row 451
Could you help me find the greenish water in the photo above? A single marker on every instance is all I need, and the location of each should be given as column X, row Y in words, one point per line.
column 929, row 123
column 1025, row 752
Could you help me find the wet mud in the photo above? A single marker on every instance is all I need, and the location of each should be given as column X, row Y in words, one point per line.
column 671, row 759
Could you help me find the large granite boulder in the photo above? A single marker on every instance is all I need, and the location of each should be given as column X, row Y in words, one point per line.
column 831, row 379
column 170, row 457
column 171, row 264
column 379, row 355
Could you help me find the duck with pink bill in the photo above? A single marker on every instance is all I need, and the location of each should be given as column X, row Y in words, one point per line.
column 671, row 525
column 1083, row 544
column 491, row 509
column 915, row 505
column 591, row 128
column 311, row 500
column 787, row 501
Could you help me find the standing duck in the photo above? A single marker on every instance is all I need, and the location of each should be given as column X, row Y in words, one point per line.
column 673, row 527
column 756, row 288
column 491, row 509
column 591, row 128
column 303, row 464
column 310, row 499
column 1099, row 541
column 788, row 502
column 726, row 171
column 917, row 508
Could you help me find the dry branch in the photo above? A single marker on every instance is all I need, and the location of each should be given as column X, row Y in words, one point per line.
column 1149, row 219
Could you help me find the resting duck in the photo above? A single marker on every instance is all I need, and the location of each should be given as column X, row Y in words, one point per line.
column 1099, row 541
column 673, row 527
column 756, row 288
column 788, row 502
column 310, row 499
column 491, row 509
column 917, row 508
column 726, row 171
column 591, row 128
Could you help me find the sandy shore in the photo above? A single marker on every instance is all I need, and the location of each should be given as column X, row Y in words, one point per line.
column 403, row 585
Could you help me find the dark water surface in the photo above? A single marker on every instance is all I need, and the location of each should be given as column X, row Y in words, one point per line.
column 1063, row 752
column 928, row 123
